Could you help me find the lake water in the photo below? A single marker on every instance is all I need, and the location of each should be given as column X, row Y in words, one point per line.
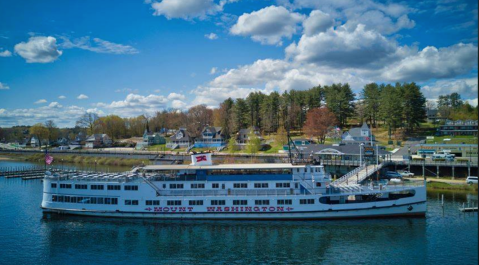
column 443, row 237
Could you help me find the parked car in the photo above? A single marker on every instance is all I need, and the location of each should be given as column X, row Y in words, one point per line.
column 395, row 180
column 407, row 174
column 392, row 174
column 471, row 180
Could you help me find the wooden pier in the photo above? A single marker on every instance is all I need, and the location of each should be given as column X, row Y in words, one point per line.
column 28, row 173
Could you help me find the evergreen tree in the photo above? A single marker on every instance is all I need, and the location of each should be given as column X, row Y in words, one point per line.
column 371, row 95
column 413, row 105
column 390, row 109
column 340, row 100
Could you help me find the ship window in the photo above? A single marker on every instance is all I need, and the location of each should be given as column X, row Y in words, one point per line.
column 65, row 186
column 100, row 200
column 285, row 202
column 54, row 185
column 240, row 202
column 131, row 187
column 81, row 186
column 54, row 198
column 97, row 187
column 306, row 201
column 283, row 185
column 131, row 202
column 173, row 202
column 318, row 184
column 107, row 200
column 261, row 202
column 218, row 202
column 114, row 187
column 115, row 201
column 240, row 185
column 196, row 202
column 198, row 186
column 152, row 202
column 215, row 185
column 60, row 198
column 176, row 186
column 93, row 200
column 261, row 185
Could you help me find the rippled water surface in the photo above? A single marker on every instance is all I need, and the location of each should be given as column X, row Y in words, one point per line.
column 443, row 237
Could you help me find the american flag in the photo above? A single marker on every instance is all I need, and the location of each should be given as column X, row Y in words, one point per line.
column 48, row 159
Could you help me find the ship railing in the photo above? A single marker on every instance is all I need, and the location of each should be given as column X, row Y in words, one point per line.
column 350, row 174
column 374, row 188
column 265, row 192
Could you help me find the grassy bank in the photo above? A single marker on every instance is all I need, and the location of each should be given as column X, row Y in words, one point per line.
column 451, row 187
column 83, row 160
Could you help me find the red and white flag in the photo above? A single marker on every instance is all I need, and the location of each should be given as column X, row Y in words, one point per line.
column 48, row 159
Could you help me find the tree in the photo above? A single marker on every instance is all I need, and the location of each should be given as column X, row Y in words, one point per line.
column 390, row 109
column 87, row 121
column 371, row 95
column 198, row 117
column 232, row 145
column 413, row 105
column 223, row 115
column 254, row 143
column 240, row 115
column 318, row 122
column 40, row 132
column 281, row 135
column 52, row 129
column 340, row 101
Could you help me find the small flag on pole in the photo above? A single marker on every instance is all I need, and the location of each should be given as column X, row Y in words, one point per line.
column 48, row 159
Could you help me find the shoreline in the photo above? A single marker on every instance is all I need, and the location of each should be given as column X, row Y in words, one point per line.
column 78, row 159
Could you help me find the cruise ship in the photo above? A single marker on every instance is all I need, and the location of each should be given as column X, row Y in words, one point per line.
column 203, row 190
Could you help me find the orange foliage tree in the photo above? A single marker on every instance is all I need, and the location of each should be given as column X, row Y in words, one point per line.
column 318, row 122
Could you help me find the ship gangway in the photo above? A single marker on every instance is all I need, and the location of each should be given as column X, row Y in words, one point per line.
column 356, row 176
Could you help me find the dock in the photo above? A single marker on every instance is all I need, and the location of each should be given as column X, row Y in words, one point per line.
column 30, row 173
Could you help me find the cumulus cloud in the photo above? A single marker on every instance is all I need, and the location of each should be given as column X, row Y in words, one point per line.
column 342, row 47
column 211, row 36
column 82, row 96
column 317, row 22
column 173, row 96
column 97, row 45
column 473, row 102
column 213, row 70
column 4, row 86
column 62, row 116
column 432, row 62
column 38, row 50
column 188, row 9
column 212, row 96
column 62, row 97
column 134, row 105
column 5, row 53
column 268, row 25
column 41, row 101
column 466, row 87
column 178, row 104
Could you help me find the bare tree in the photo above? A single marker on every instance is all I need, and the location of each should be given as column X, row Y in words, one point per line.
column 318, row 122
column 87, row 121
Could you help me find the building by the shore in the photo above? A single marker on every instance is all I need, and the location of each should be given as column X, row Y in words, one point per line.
column 453, row 128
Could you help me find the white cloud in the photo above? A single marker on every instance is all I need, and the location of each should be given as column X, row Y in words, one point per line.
column 473, row 102
column 5, row 53
column 55, row 105
column 431, row 62
column 41, row 101
column 4, row 86
column 213, row 70
column 62, row 97
column 127, row 90
column 212, row 96
column 380, row 22
column 211, row 36
column 178, row 104
column 39, row 50
column 82, row 96
column 98, row 45
column 268, row 25
column 187, row 9
column 466, row 87
column 317, row 22
column 341, row 48
column 173, row 96
column 135, row 105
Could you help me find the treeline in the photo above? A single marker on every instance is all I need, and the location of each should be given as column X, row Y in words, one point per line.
column 398, row 106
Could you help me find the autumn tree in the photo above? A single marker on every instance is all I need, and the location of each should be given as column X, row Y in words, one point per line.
column 52, row 130
column 40, row 132
column 318, row 122
column 254, row 143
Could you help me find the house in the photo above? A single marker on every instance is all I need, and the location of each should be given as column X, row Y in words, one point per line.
column 62, row 141
column 78, row 142
column 33, row 142
column 468, row 127
column 180, row 139
column 98, row 140
column 150, row 138
column 211, row 137
column 358, row 135
column 299, row 143
column 242, row 136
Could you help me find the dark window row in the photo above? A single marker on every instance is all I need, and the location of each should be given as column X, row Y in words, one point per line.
column 285, row 202
column 65, row 186
column 131, row 187
column 283, row 185
column 176, row 186
column 240, row 185
column 261, row 202
column 114, row 187
column 196, row 202
column 173, row 202
column 306, row 201
column 240, row 202
column 85, row 200
column 261, row 185
column 131, row 202
column 152, row 202
column 97, row 187
column 198, row 186
column 81, row 186
column 218, row 202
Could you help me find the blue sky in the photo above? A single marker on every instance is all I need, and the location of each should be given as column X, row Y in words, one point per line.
column 59, row 59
